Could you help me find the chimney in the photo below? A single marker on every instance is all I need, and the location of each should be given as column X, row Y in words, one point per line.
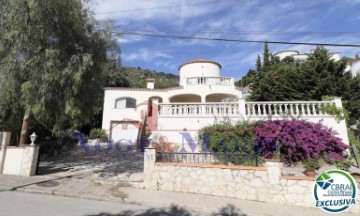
column 150, row 83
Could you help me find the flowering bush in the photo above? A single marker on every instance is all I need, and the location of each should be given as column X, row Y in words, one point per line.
column 164, row 146
column 298, row 140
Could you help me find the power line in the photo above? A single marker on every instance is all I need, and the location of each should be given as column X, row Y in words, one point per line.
column 188, row 30
column 167, row 6
column 240, row 40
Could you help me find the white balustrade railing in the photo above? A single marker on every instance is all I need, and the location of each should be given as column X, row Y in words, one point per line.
column 291, row 108
column 199, row 109
column 210, row 81
column 288, row 108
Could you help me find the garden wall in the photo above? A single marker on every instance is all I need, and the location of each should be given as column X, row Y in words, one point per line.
column 4, row 141
column 17, row 160
column 263, row 184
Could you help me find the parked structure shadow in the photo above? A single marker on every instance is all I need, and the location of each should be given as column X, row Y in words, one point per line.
column 105, row 164
column 174, row 210
column 229, row 210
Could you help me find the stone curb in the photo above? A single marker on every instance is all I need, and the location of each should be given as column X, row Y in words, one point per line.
column 84, row 195
column 69, row 194
column 103, row 193
column 6, row 188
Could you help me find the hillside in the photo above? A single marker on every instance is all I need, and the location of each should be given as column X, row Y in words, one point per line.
column 135, row 77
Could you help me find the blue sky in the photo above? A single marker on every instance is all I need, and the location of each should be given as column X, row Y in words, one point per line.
column 290, row 20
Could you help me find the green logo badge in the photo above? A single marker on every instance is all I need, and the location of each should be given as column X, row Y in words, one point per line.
column 335, row 191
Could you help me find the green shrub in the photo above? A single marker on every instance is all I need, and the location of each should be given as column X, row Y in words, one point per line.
column 229, row 137
column 97, row 133
column 343, row 165
column 232, row 143
column 354, row 141
column 311, row 164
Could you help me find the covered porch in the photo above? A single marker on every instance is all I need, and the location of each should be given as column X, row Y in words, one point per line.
column 195, row 98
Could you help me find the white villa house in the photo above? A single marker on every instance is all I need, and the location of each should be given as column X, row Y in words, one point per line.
column 352, row 65
column 302, row 56
column 203, row 97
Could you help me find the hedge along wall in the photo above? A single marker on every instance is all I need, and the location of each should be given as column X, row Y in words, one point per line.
column 250, row 183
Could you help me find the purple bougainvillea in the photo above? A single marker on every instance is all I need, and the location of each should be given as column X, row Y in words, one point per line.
column 298, row 140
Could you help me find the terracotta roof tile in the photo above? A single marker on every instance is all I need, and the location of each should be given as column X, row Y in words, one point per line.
column 143, row 89
column 200, row 60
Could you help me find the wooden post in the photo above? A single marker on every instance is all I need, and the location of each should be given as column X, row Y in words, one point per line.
column 25, row 127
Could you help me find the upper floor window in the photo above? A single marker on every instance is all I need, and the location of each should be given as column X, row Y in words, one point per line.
column 126, row 102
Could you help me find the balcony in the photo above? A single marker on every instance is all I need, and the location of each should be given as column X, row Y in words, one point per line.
column 210, row 81
column 198, row 109
column 290, row 108
column 250, row 109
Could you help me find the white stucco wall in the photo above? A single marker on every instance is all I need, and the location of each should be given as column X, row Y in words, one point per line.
column 302, row 56
column 355, row 68
column 142, row 97
column 335, row 56
column 112, row 114
column 12, row 162
column 286, row 53
column 175, row 121
column 4, row 141
column 21, row 160
column 171, row 126
column 200, row 70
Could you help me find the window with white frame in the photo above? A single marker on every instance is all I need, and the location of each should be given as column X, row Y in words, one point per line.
column 125, row 102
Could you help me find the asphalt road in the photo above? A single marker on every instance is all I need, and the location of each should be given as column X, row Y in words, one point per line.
column 24, row 204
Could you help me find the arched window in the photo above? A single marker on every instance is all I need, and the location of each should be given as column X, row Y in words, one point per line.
column 125, row 102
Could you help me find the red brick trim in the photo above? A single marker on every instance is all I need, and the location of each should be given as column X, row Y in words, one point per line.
column 200, row 60
column 213, row 166
column 307, row 178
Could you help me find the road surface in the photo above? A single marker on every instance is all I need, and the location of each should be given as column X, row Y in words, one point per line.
column 14, row 203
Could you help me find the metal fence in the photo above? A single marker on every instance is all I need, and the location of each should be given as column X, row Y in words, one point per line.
column 233, row 158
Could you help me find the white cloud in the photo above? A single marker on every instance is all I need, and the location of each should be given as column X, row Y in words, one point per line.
column 132, row 10
column 146, row 55
column 194, row 20
column 125, row 39
column 222, row 19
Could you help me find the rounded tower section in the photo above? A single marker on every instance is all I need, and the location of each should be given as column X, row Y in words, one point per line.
column 199, row 68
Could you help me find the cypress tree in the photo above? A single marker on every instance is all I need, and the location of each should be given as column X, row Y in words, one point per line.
column 266, row 57
column 258, row 64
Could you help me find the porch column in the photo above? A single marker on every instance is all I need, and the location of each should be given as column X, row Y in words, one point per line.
column 153, row 120
column 274, row 168
column 342, row 129
column 338, row 103
column 202, row 108
column 203, row 98
column 149, row 166
column 166, row 100
column 242, row 109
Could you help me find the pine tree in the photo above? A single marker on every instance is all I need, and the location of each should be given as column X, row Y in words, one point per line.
column 318, row 76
